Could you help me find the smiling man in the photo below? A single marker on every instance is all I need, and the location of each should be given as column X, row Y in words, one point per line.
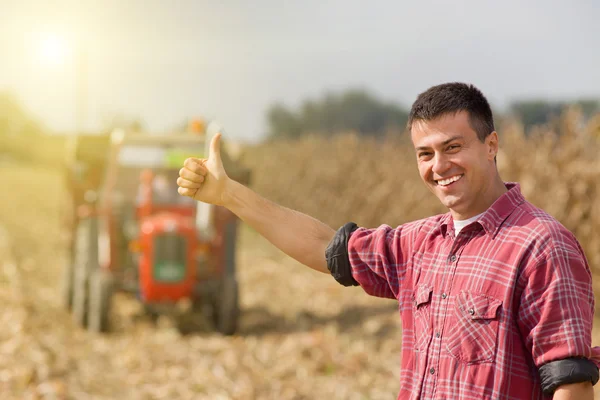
column 495, row 296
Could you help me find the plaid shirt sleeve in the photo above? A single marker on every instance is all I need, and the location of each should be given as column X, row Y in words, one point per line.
column 379, row 257
column 556, row 308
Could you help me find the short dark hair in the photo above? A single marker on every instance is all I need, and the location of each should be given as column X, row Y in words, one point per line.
column 450, row 98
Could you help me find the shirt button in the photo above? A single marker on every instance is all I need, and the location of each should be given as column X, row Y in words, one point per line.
column 432, row 371
column 452, row 258
column 471, row 311
column 444, row 295
column 437, row 335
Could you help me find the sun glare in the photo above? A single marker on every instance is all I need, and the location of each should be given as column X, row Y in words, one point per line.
column 54, row 50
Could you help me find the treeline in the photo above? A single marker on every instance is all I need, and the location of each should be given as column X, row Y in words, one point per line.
column 353, row 110
column 23, row 137
column 539, row 112
column 15, row 120
column 361, row 112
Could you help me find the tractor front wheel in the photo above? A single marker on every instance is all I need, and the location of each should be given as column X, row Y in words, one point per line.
column 226, row 307
column 226, row 311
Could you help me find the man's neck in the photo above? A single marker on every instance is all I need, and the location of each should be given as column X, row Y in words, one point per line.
column 494, row 192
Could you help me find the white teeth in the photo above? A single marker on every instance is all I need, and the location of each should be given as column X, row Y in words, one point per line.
column 445, row 182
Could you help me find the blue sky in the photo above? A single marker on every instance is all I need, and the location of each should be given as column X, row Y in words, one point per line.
column 165, row 61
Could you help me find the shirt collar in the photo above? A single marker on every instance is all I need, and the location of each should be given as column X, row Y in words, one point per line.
column 494, row 216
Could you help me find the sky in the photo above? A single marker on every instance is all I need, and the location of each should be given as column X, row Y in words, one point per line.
column 167, row 61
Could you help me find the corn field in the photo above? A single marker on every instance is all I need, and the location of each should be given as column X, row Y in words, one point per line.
column 347, row 178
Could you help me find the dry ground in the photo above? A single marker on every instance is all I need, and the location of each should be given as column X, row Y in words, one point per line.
column 302, row 336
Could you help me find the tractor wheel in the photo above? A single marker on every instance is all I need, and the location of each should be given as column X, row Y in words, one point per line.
column 66, row 283
column 85, row 261
column 67, row 275
column 100, row 299
column 226, row 308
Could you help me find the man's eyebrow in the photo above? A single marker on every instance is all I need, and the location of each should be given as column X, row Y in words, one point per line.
column 445, row 142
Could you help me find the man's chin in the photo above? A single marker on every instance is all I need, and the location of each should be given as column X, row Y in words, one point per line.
column 450, row 202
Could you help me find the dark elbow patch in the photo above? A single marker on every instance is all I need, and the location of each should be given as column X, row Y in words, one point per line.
column 336, row 254
column 564, row 372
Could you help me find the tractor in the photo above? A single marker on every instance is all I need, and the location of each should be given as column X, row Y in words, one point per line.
column 134, row 233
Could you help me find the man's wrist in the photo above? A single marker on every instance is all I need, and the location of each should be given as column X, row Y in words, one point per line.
column 228, row 194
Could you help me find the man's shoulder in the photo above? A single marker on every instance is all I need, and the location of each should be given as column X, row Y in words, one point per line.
column 538, row 225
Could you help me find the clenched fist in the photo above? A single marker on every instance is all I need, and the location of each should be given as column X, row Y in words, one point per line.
column 204, row 179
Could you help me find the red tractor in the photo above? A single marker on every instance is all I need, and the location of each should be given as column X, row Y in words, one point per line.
column 136, row 234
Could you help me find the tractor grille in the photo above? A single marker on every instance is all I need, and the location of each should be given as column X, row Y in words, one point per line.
column 169, row 258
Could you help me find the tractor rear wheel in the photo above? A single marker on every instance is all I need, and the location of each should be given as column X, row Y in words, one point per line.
column 85, row 261
column 100, row 300
column 67, row 278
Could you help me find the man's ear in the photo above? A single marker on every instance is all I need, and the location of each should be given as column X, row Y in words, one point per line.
column 493, row 145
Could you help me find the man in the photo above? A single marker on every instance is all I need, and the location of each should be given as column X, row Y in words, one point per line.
column 495, row 296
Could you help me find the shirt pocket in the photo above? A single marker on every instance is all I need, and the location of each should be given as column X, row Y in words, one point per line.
column 422, row 316
column 473, row 328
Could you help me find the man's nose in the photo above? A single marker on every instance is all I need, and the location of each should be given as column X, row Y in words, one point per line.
column 440, row 164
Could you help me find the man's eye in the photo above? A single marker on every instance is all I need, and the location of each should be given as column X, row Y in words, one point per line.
column 453, row 147
column 424, row 155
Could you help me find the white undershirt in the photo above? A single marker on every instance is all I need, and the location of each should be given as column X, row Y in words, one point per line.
column 459, row 225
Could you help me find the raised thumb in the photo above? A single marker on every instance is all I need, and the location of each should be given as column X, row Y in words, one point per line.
column 215, row 148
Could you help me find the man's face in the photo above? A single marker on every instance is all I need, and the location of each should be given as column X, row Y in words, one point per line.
column 454, row 164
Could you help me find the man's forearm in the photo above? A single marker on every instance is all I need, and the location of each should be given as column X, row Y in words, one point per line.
column 300, row 236
column 574, row 391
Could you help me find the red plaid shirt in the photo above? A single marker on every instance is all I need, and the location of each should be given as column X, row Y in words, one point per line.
column 481, row 312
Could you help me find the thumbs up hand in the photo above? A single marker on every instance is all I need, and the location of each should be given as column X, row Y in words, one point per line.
column 204, row 179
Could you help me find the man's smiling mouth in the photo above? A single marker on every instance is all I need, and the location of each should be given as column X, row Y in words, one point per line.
column 448, row 181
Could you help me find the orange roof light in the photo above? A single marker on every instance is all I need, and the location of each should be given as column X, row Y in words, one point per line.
column 197, row 126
